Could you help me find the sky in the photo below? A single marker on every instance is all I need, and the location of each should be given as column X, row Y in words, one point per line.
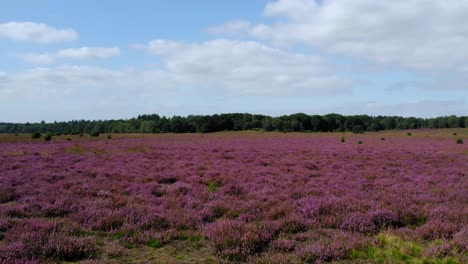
column 68, row 60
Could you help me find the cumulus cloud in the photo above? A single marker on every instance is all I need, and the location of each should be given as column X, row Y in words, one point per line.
column 36, row 32
column 416, row 34
column 245, row 68
column 82, row 53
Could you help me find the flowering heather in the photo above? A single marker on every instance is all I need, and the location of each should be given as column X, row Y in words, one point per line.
column 235, row 197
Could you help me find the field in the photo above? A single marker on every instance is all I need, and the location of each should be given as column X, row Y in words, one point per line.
column 387, row 197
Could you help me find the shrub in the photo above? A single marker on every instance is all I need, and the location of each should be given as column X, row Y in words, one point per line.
column 36, row 135
column 454, row 134
column 94, row 133
column 409, row 134
column 459, row 141
column 342, row 139
column 358, row 222
column 109, row 136
column 234, row 240
column 382, row 138
column 282, row 245
column 70, row 248
column 359, row 142
column 48, row 137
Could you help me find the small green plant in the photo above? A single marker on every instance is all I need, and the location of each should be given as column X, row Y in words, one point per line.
column 48, row 137
column 454, row 134
column 69, row 139
column 154, row 243
column 342, row 139
column 109, row 136
column 409, row 134
column 459, row 141
column 382, row 138
column 36, row 135
column 212, row 186
column 359, row 142
column 94, row 133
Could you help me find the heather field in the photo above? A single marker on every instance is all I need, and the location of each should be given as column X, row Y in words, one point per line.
column 235, row 197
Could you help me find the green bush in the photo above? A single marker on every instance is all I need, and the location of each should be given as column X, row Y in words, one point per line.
column 48, row 137
column 109, row 136
column 342, row 139
column 359, row 142
column 409, row 134
column 94, row 133
column 36, row 135
column 459, row 141
column 454, row 134
column 382, row 138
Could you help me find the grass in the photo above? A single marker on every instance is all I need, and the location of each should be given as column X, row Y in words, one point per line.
column 392, row 249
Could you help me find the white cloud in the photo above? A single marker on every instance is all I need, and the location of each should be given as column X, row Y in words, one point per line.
column 82, row 53
column 36, row 32
column 231, row 28
column 245, row 67
column 416, row 34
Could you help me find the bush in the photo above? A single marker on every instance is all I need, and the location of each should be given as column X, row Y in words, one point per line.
column 359, row 142
column 48, row 137
column 234, row 240
column 94, row 133
column 109, row 136
column 36, row 135
column 459, row 141
column 358, row 222
column 409, row 134
column 382, row 138
column 454, row 134
column 342, row 139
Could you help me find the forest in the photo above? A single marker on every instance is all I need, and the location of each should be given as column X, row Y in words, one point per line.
column 299, row 122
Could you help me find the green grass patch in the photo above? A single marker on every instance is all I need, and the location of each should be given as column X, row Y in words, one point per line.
column 392, row 249
column 154, row 243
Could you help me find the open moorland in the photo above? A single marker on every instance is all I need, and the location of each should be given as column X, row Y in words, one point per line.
column 234, row 197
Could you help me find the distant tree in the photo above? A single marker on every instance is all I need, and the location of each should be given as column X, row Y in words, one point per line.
column 48, row 137
column 36, row 135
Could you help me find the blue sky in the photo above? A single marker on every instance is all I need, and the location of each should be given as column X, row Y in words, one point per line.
column 63, row 60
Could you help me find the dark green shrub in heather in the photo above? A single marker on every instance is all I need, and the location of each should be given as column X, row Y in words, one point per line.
column 36, row 135
column 48, row 137
column 81, row 134
column 109, row 136
column 454, row 134
column 359, row 142
column 409, row 134
column 94, row 133
column 342, row 139
column 459, row 141
column 382, row 138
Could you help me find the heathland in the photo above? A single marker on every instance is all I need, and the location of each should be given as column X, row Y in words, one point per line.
column 259, row 197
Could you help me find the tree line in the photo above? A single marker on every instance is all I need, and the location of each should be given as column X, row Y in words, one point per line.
column 236, row 122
